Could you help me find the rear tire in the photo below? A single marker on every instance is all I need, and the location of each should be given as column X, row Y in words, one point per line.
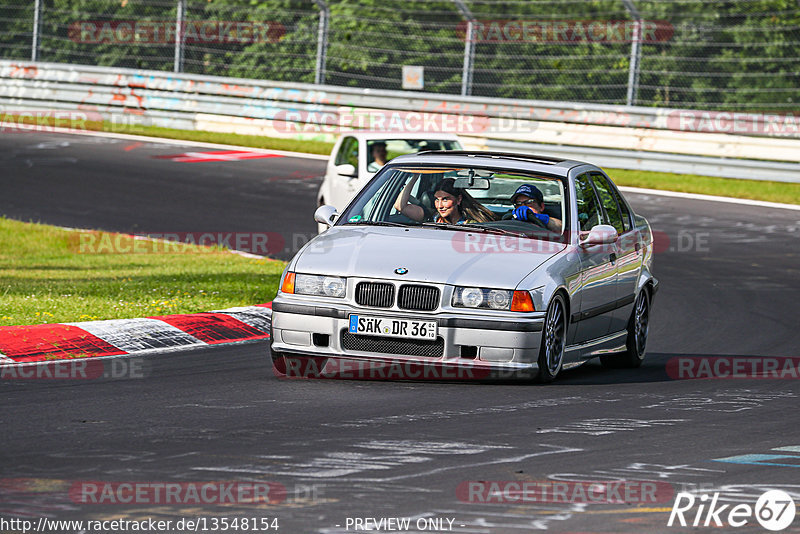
column 636, row 343
column 554, row 340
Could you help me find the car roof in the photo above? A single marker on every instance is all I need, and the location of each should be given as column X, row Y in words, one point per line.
column 384, row 134
column 530, row 163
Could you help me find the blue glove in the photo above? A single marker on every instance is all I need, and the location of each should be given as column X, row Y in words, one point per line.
column 524, row 213
column 545, row 218
column 521, row 213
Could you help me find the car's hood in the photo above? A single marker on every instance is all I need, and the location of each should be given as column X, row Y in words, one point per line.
column 429, row 254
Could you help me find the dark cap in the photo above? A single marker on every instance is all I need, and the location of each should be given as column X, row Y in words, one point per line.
column 530, row 191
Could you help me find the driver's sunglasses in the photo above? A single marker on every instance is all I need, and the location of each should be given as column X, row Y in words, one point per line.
column 529, row 202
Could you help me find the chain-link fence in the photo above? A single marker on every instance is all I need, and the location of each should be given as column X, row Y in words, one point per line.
column 706, row 54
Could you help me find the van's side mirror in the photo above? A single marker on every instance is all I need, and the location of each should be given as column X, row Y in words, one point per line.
column 326, row 214
column 345, row 169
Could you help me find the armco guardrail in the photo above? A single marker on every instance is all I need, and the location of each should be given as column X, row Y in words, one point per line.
column 718, row 144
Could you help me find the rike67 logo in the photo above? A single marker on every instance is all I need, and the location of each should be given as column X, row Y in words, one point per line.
column 774, row 510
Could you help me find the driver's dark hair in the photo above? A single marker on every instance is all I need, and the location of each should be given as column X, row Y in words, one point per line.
column 471, row 208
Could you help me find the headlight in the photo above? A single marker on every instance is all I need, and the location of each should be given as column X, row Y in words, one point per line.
column 323, row 286
column 495, row 299
column 477, row 297
column 471, row 297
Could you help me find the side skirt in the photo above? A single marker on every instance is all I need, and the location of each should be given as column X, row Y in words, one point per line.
column 604, row 345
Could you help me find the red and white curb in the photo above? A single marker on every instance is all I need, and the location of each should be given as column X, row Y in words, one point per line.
column 119, row 337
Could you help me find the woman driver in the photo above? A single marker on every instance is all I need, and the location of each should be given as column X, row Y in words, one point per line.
column 453, row 206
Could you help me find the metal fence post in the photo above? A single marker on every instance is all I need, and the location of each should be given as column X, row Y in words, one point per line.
column 636, row 53
column 180, row 19
column 37, row 18
column 322, row 42
column 469, row 49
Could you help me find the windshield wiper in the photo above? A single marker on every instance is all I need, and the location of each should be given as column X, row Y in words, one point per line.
column 441, row 226
column 492, row 230
column 470, row 227
column 379, row 223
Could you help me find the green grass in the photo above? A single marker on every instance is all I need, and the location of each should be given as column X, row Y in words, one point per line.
column 255, row 141
column 46, row 276
column 787, row 193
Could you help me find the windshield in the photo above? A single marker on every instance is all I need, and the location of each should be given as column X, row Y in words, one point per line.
column 461, row 199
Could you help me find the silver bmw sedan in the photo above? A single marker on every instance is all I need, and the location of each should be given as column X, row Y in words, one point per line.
column 469, row 265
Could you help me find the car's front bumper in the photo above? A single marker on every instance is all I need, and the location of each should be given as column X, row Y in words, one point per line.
column 310, row 340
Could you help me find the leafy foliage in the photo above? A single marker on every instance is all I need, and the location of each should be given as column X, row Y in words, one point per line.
column 713, row 54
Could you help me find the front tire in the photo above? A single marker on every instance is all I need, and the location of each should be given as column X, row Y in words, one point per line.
column 636, row 343
column 554, row 340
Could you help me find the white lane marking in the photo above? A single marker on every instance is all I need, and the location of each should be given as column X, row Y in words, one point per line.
column 136, row 335
column 429, row 447
column 449, row 414
column 332, row 464
column 709, row 198
column 637, row 471
column 727, row 402
column 600, row 427
column 180, row 142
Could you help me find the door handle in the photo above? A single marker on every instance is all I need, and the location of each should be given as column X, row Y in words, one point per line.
column 612, row 257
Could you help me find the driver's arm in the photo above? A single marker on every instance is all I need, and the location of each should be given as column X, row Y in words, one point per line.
column 554, row 225
column 402, row 205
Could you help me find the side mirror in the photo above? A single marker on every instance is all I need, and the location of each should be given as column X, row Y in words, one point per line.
column 326, row 214
column 345, row 169
column 602, row 234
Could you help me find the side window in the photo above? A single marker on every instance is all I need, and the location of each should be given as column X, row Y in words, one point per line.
column 348, row 152
column 606, row 194
column 588, row 208
column 624, row 211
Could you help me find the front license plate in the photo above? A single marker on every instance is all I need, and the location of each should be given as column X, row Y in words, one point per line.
column 392, row 327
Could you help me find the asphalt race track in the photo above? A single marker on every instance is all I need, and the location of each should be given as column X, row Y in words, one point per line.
column 730, row 287
column 123, row 186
